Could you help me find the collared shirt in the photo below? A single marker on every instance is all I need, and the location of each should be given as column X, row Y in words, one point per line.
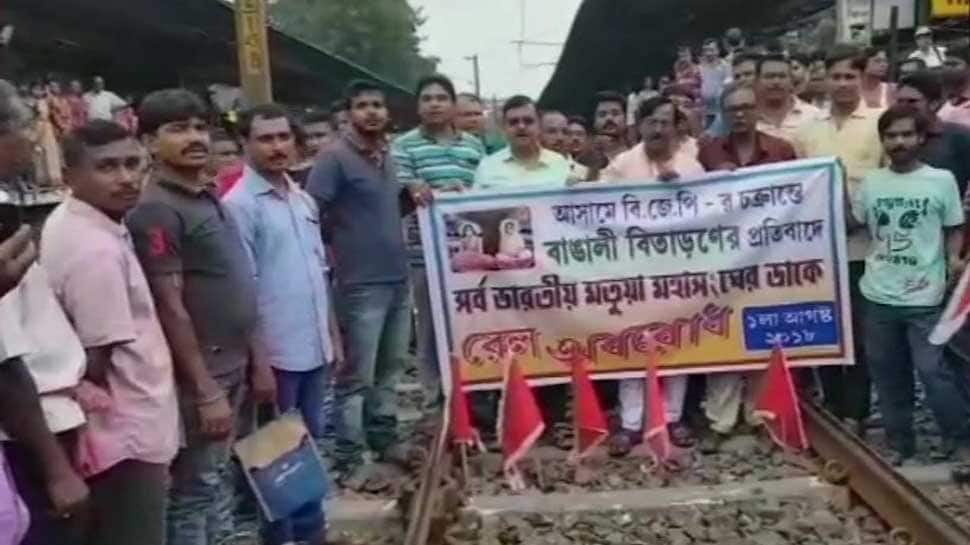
column 421, row 158
column 33, row 327
column 104, row 292
column 184, row 229
column 947, row 146
column 102, row 105
column 856, row 143
column 635, row 166
column 281, row 231
column 718, row 153
column 360, row 205
column 800, row 113
column 933, row 58
column 503, row 170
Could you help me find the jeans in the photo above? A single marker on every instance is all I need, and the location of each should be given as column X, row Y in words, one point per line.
column 896, row 343
column 429, row 372
column 304, row 391
column 201, row 476
column 847, row 388
column 376, row 322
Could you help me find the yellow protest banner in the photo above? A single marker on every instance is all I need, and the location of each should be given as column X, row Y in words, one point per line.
column 951, row 8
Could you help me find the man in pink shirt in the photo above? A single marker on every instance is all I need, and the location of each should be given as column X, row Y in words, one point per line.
column 132, row 431
column 655, row 159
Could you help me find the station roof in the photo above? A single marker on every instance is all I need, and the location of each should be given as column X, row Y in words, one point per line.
column 140, row 45
column 614, row 43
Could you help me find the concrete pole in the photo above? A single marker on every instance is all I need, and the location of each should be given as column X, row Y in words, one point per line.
column 253, row 46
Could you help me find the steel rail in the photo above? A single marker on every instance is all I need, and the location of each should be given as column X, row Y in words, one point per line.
column 915, row 518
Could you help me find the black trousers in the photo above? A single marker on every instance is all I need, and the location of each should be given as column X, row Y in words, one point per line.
column 848, row 389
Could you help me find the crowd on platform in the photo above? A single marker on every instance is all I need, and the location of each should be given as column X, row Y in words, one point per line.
column 194, row 274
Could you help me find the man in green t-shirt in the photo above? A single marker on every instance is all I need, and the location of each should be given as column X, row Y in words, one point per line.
column 913, row 213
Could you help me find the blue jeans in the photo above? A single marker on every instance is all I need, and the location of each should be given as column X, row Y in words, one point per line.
column 304, row 391
column 376, row 323
column 896, row 343
column 201, row 475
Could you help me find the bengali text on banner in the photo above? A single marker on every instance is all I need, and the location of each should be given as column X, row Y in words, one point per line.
column 712, row 273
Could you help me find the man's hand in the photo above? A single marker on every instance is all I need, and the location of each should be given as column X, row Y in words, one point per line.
column 263, row 384
column 17, row 253
column 956, row 267
column 215, row 418
column 421, row 194
column 67, row 492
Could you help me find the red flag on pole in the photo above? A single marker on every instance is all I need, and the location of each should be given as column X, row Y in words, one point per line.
column 955, row 313
column 777, row 404
column 462, row 430
column 588, row 416
column 655, row 433
column 520, row 421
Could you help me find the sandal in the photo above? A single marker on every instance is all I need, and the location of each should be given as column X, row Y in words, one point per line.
column 681, row 435
column 622, row 443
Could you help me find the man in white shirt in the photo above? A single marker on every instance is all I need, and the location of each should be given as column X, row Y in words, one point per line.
column 103, row 104
column 931, row 54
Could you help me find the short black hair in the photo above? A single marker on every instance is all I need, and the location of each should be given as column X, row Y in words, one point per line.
column 609, row 96
column 578, row 120
column 929, row 83
column 221, row 135
column 871, row 52
column 265, row 111
column 899, row 112
column 358, row 87
column 314, row 116
column 845, row 52
column 168, row 106
column 436, row 79
column 651, row 105
column 339, row 105
column 470, row 96
column 774, row 57
column 93, row 134
column 708, row 41
column 803, row 59
column 517, row 101
column 742, row 58
column 544, row 113
column 732, row 88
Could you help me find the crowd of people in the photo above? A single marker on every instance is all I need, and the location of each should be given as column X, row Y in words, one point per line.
column 193, row 274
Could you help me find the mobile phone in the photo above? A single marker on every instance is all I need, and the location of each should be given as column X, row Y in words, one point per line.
column 11, row 215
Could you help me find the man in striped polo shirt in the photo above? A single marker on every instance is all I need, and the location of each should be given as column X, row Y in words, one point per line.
column 433, row 157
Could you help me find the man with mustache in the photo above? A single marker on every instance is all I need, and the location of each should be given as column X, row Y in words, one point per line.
column 203, row 291
column 525, row 161
column 656, row 159
column 780, row 111
column 356, row 187
column 847, row 130
column 609, row 130
column 556, row 137
column 914, row 215
column 279, row 224
column 134, row 434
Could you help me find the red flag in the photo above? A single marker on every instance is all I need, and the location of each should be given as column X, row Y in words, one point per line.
column 462, row 430
column 777, row 404
column 655, row 433
column 520, row 421
column 588, row 417
column 955, row 313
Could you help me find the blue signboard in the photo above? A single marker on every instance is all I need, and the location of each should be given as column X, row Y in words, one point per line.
column 799, row 324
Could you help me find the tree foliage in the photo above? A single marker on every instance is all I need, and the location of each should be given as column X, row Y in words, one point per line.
column 381, row 35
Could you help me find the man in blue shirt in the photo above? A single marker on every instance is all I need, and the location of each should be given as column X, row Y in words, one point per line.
column 279, row 225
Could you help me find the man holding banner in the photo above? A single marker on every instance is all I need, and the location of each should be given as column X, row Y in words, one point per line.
column 655, row 159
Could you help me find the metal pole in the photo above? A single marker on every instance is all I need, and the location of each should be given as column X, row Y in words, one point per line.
column 478, row 81
column 872, row 20
column 893, row 43
column 253, row 48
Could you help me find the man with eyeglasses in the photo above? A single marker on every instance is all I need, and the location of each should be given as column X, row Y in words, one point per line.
column 525, row 161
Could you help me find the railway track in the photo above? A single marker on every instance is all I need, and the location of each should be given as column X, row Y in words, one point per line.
column 843, row 460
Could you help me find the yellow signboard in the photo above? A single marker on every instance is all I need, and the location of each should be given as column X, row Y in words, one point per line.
column 951, row 8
